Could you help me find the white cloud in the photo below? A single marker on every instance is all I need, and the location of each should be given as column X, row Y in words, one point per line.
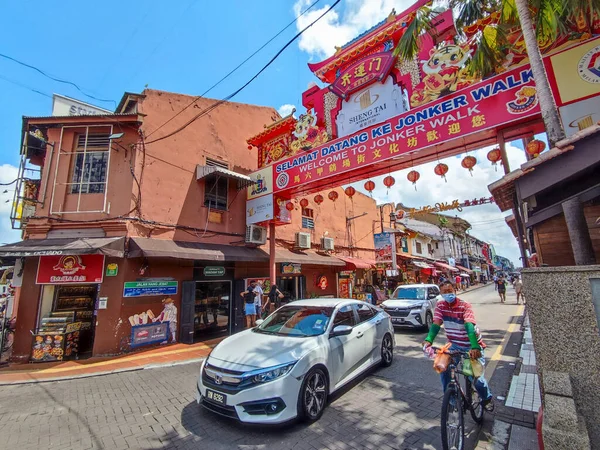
column 285, row 110
column 487, row 221
column 335, row 28
column 7, row 174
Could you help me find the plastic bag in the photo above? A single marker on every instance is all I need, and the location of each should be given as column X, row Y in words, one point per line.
column 442, row 359
column 477, row 368
column 467, row 368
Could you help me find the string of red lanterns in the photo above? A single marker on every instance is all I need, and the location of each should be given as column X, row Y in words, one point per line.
column 350, row 191
column 333, row 196
column 535, row 147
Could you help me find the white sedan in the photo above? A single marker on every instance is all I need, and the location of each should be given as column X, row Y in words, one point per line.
column 288, row 365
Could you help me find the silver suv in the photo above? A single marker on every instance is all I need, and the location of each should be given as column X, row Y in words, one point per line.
column 412, row 305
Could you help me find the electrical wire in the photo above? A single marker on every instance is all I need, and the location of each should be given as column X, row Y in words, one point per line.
column 235, row 69
column 229, row 97
column 58, row 80
column 24, row 86
column 8, row 184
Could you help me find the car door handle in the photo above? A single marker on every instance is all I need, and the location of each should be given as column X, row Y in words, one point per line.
column 379, row 321
column 359, row 335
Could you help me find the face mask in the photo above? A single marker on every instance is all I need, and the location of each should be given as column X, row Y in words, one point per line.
column 449, row 297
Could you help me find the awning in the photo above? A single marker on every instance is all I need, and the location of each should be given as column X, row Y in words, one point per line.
column 422, row 265
column 114, row 246
column 446, row 266
column 356, row 263
column 306, row 257
column 166, row 248
column 464, row 269
column 242, row 180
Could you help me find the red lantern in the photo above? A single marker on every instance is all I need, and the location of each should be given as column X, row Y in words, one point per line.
column 389, row 181
column 469, row 162
column 350, row 191
column 250, row 147
column 333, row 196
column 318, row 199
column 535, row 147
column 494, row 156
column 369, row 186
column 289, row 206
column 413, row 176
column 304, row 203
column 441, row 169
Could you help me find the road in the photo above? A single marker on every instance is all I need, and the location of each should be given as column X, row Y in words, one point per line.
column 393, row 408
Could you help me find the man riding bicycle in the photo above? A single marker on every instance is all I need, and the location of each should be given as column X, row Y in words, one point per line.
column 459, row 322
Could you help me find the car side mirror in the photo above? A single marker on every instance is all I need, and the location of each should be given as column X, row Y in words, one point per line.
column 341, row 330
column 259, row 321
column 432, row 295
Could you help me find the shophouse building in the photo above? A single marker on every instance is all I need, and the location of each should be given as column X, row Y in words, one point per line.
column 128, row 209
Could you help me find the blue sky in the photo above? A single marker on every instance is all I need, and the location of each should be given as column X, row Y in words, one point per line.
column 185, row 46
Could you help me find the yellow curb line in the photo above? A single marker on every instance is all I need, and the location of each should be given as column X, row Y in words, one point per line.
column 500, row 350
column 126, row 359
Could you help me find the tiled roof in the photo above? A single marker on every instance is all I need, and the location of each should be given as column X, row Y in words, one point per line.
column 503, row 190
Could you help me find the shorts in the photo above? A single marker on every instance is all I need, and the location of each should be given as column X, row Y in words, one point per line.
column 250, row 309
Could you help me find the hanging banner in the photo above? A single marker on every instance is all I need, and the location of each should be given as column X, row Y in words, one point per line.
column 500, row 100
column 385, row 248
column 70, row 269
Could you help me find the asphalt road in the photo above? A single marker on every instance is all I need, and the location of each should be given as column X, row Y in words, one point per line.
column 393, row 408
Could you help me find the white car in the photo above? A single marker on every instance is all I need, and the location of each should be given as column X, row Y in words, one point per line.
column 412, row 305
column 290, row 363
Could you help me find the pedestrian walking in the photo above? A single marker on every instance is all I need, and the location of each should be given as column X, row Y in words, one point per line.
column 258, row 299
column 495, row 282
column 458, row 282
column 273, row 299
column 501, row 285
column 519, row 289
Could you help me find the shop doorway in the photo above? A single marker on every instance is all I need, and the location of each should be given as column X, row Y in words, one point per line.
column 212, row 310
column 292, row 288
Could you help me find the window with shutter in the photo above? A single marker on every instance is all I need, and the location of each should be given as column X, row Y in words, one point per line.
column 216, row 187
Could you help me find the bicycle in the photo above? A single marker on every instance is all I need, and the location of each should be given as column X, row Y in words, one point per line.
column 454, row 405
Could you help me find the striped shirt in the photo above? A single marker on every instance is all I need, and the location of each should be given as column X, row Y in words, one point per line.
column 455, row 316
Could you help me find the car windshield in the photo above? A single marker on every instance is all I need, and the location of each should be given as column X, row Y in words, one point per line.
column 410, row 293
column 296, row 320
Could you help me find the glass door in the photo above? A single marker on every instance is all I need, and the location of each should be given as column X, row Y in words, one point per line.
column 212, row 309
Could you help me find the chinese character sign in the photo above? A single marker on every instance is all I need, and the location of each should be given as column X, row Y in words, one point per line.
column 499, row 100
column 69, row 269
column 374, row 67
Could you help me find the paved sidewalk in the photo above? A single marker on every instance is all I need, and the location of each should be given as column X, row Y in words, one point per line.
column 524, row 390
column 157, row 357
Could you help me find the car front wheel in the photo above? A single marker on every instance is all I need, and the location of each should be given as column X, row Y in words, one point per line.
column 428, row 321
column 387, row 351
column 313, row 395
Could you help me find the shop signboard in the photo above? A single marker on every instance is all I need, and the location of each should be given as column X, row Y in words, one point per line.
column 385, row 248
column 497, row 101
column 580, row 115
column 151, row 333
column 70, row 269
column 259, row 209
column 148, row 288
column 112, row 270
column 214, row 271
column 263, row 183
column 576, row 72
column 291, row 268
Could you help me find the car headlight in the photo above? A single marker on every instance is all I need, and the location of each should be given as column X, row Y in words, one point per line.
column 270, row 373
column 417, row 306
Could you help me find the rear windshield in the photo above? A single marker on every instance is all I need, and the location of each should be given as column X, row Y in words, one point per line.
column 410, row 293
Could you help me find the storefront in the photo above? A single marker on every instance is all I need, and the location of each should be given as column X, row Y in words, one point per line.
column 68, row 303
column 360, row 280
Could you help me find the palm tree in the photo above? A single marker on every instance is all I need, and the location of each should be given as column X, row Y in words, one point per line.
column 551, row 18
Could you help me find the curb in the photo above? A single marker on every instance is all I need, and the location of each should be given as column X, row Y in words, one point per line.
column 103, row 373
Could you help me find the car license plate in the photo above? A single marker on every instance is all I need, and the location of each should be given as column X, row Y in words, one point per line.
column 397, row 320
column 216, row 397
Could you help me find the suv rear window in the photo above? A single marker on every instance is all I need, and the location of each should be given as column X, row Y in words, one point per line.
column 410, row 293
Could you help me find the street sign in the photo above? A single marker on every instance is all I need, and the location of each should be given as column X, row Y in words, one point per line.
column 214, row 271
column 147, row 288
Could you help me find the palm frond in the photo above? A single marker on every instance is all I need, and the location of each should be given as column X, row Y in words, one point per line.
column 490, row 45
column 408, row 45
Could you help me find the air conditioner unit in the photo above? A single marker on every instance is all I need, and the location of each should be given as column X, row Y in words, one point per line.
column 327, row 243
column 303, row 240
column 256, row 235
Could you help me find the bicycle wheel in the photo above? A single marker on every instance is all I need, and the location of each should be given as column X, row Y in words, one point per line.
column 453, row 426
column 9, row 339
column 475, row 403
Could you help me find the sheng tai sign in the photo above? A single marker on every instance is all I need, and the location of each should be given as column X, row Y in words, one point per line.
column 505, row 98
